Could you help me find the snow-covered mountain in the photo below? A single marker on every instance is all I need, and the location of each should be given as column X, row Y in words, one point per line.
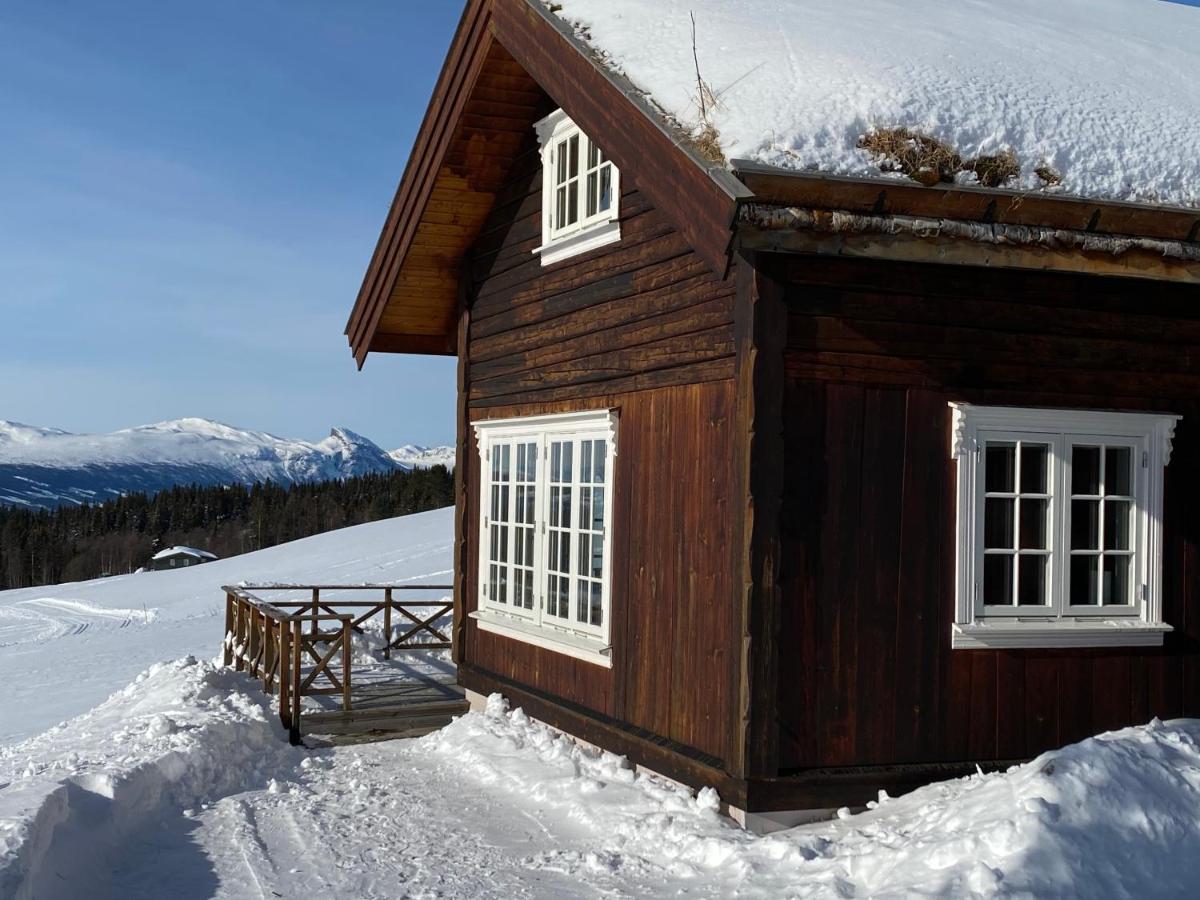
column 413, row 457
column 45, row 467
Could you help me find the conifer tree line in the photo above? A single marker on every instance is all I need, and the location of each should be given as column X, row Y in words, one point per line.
column 74, row 543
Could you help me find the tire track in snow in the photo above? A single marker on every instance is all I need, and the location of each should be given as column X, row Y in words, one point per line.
column 49, row 618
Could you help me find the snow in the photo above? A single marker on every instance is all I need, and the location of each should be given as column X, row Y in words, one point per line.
column 190, row 551
column 1104, row 91
column 46, row 466
column 63, row 649
column 183, row 783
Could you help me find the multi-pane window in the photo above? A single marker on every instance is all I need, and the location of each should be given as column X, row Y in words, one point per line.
column 580, row 189
column 1059, row 526
column 546, row 529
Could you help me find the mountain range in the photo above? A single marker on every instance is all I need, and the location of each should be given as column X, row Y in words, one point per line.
column 45, row 467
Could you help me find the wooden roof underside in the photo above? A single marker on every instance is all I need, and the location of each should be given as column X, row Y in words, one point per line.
column 485, row 104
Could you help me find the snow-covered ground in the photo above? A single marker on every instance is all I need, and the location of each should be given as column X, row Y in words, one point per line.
column 182, row 785
column 1103, row 91
column 63, row 649
column 182, row 782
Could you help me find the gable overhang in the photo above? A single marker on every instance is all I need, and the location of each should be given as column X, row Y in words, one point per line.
column 410, row 296
column 883, row 218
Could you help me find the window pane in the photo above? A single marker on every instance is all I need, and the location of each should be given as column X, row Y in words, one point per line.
column 998, row 523
column 581, row 558
column 585, row 507
column 1116, row 580
column 1031, row 590
column 1085, row 470
column 585, row 462
column 597, row 509
column 1000, row 466
column 567, row 450
column 591, row 193
column 1034, row 514
column 573, row 156
column 1085, row 524
column 560, row 211
column 1083, row 580
column 592, row 154
column 1116, row 524
column 598, row 468
column 582, row 611
column 573, row 203
column 562, row 152
column 605, row 188
column 597, row 606
column 1034, row 458
column 998, row 580
column 1118, row 474
column 597, row 556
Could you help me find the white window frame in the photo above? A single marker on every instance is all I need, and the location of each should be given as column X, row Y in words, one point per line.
column 537, row 626
column 1140, row 623
column 587, row 232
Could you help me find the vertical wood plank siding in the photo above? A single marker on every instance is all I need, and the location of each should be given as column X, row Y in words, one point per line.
column 644, row 326
column 874, row 352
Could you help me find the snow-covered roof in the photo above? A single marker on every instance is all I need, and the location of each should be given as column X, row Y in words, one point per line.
column 1103, row 93
column 187, row 551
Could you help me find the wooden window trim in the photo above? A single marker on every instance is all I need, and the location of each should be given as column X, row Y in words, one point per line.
column 1060, row 624
column 587, row 232
column 583, row 641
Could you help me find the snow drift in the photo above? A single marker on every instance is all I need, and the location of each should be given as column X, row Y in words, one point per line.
column 1104, row 92
column 497, row 804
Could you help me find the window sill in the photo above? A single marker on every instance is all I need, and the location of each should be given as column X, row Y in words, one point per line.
column 590, row 238
column 996, row 635
column 582, row 648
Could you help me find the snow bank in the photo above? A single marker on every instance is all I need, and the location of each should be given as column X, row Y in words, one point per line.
column 1103, row 91
column 183, row 733
column 1115, row 815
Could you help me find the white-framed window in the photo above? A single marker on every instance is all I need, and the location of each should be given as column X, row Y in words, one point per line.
column 1058, row 538
column 581, row 190
column 545, row 557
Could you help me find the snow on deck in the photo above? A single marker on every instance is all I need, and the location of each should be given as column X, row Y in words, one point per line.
column 1106, row 92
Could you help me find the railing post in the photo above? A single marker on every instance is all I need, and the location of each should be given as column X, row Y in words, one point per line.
column 346, row 663
column 227, row 643
column 316, row 602
column 294, row 732
column 240, row 639
column 387, row 623
column 268, row 638
column 285, row 673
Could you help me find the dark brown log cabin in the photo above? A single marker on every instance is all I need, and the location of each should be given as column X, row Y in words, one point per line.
column 787, row 600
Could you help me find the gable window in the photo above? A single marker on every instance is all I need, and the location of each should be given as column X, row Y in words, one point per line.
column 1059, row 526
column 546, row 531
column 580, row 191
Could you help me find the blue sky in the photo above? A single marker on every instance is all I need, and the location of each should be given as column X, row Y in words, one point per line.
column 189, row 195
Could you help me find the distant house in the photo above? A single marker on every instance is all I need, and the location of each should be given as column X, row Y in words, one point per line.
column 791, row 484
column 179, row 557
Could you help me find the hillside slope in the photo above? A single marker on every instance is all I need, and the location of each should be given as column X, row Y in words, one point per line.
column 64, row 648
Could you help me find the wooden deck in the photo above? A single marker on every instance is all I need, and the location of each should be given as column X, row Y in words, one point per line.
column 390, row 701
column 342, row 672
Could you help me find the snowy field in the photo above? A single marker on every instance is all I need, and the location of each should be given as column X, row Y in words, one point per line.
column 63, row 649
column 182, row 784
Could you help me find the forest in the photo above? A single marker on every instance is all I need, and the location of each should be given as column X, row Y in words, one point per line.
column 118, row 536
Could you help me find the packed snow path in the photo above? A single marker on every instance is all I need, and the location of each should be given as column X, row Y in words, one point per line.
column 64, row 648
column 182, row 785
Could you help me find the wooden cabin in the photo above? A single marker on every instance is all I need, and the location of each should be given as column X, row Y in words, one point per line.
column 768, row 484
column 179, row 557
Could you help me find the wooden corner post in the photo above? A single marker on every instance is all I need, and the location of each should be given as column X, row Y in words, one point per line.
column 462, row 481
column 760, row 335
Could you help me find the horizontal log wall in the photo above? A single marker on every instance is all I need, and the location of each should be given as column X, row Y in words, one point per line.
column 645, row 326
column 875, row 351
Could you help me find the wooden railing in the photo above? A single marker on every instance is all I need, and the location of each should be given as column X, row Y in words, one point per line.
column 274, row 640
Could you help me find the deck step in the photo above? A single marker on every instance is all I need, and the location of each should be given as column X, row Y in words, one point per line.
column 397, row 722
